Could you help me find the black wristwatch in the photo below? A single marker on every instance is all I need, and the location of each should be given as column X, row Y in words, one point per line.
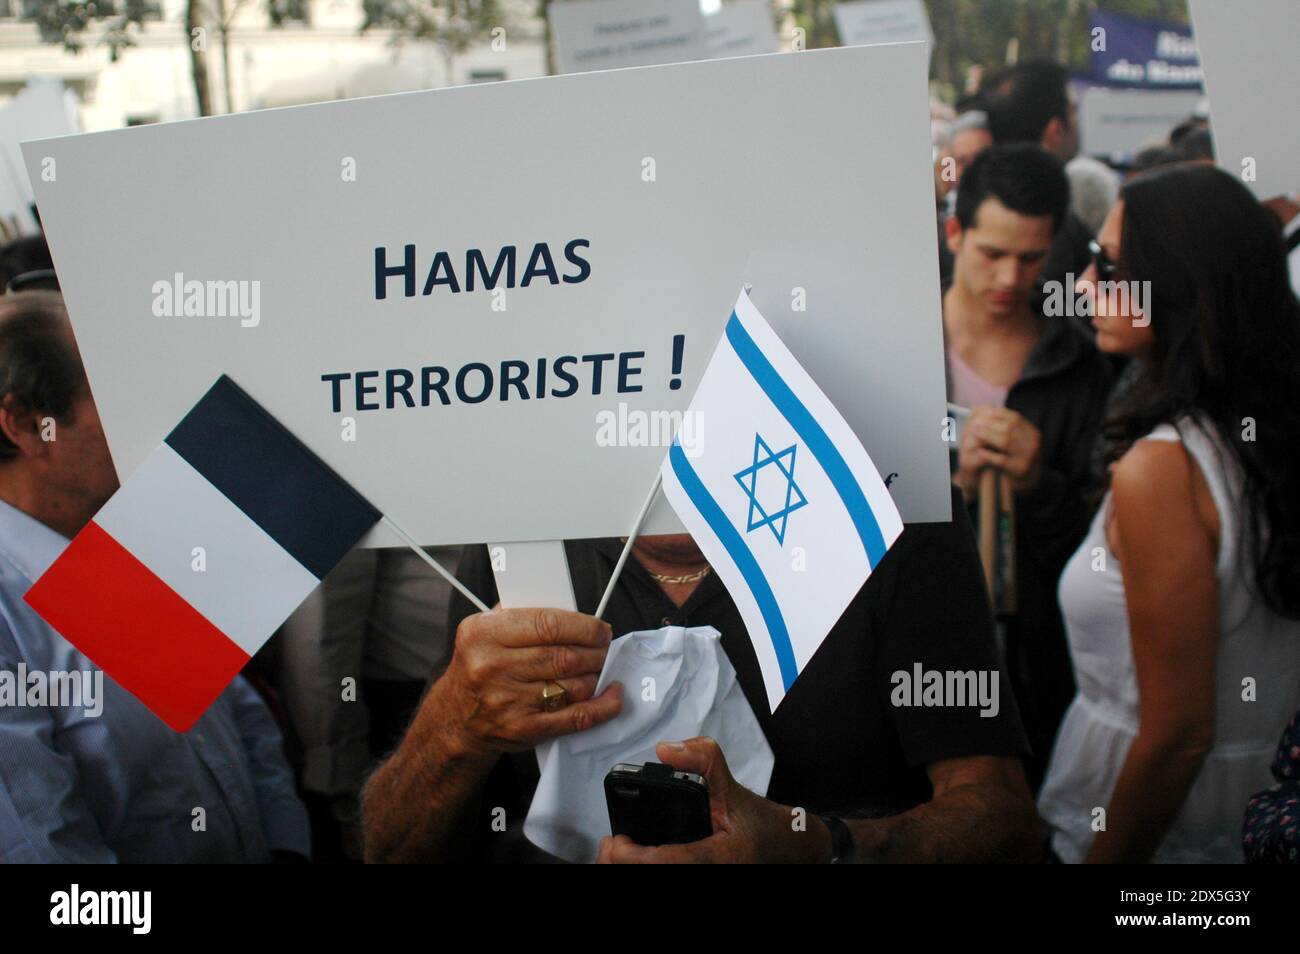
column 841, row 839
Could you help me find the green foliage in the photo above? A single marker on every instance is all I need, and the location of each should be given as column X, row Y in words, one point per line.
column 280, row 12
column 817, row 20
column 66, row 23
column 454, row 25
column 62, row 22
column 976, row 32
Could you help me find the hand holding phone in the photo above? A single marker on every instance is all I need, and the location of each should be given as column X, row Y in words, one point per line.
column 654, row 804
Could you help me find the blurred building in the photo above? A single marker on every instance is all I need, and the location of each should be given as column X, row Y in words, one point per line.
column 325, row 58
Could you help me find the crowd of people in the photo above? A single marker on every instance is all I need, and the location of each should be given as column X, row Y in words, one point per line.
column 1142, row 615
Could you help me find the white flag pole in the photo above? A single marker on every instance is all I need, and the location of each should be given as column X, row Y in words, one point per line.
column 627, row 547
column 419, row 550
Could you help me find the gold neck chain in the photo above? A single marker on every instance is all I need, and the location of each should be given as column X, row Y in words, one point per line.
column 688, row 578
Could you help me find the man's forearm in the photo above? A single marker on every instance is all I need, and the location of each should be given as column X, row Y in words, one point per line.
column 967, row 823
column 419, row 805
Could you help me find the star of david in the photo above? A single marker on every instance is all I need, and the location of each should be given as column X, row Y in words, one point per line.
column 748, row 480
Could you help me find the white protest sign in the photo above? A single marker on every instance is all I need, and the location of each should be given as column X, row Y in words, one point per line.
column 1119, row 122
column 811, row 334
column 868, row 22
column 741, row 28
column 1247, row 57
column 532, row 573
column 483, row 305
column 42, row 109
column 608, row 34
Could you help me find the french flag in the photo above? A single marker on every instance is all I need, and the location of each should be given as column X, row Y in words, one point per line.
column 189, row 568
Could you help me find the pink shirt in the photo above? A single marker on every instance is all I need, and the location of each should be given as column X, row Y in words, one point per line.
column 968, row 389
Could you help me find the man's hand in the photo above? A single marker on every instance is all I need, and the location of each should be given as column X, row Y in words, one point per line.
column 1002, row 438
column 419, row 803
column 491, row 694
column 746, row 828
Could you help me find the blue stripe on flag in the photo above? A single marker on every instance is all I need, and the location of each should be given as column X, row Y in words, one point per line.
column 272, row 477
column 811, row 433
column 736, row 549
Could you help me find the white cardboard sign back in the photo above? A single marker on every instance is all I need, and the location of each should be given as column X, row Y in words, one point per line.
column 1248, row 53
column 631, row 200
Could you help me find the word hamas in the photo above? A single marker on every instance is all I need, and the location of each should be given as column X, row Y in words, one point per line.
column 214, row 299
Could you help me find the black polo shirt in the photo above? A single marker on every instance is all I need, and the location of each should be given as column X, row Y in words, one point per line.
column 840, row 745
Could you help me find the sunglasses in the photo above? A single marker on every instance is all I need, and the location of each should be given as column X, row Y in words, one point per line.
column 1106, row 267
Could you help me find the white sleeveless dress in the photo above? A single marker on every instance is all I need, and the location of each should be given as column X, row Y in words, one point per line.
column 1100, row 724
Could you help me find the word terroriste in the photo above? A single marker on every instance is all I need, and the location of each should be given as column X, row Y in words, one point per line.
column 477, row 381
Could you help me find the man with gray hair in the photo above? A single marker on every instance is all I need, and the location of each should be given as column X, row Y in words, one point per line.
column 107, row 780
column 968, row 136
column 1094, row 187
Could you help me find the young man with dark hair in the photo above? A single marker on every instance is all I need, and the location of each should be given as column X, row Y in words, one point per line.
column 1031, row 102
column 1036, row 387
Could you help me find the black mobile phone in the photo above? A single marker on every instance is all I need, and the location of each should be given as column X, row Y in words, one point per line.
column 654, row 804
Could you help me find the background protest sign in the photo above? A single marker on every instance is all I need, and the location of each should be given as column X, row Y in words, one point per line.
column 1142, row 54
column 574, row 244
column 608, row 34
column 1118, row 122
column 42, row 109
column 868, row 22
column 1246, row 52
column 740, row 28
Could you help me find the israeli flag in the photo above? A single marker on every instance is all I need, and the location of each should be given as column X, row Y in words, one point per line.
column 779, row 494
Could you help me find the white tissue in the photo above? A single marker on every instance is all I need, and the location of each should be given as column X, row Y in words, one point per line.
column 694, row 692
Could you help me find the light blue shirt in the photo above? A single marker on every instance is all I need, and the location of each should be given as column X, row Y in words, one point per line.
column 122, row 786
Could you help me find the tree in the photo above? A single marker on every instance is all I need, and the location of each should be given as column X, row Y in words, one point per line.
column 975, row 32
column 66, row 22
column 196, row 34
column 453, row 26
column 543, row 11
column 817, row 18
column 278, row 13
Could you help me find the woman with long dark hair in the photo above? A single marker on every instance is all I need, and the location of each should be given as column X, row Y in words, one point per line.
column 1183, row 603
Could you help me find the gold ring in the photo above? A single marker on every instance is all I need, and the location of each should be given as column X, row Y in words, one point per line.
column 554, row 697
